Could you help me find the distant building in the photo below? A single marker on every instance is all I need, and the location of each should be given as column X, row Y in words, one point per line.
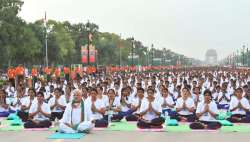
column 211, row 57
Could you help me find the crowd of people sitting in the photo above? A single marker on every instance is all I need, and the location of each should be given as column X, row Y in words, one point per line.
column 148, row 98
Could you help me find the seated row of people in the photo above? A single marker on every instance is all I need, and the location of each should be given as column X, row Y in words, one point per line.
column 146, row 109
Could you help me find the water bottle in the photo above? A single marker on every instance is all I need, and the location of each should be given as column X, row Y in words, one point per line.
column 166, row 116
column 109, row 116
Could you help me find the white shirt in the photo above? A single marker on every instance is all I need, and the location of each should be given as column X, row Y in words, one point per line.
column 168, row 99
column 125, row 108
column 150, row 115
column 223, row 101
column 74, row 115
column 116, row 103
column 207, row 116
column 105, row 100
column 189, row 103
column 135, row 102
column 3, row 109
column 234, row 102
column 45, row 108
column 200, row 99
column 98, row 104
column 215, row 95
column 25, row 101
column 61, row 101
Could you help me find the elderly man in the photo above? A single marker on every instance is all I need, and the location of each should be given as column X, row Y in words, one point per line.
column 76, row 116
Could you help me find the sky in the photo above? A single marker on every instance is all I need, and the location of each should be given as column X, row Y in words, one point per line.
column 188, row 27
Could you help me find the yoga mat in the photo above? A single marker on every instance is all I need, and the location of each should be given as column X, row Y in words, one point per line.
column 6, row 126
column 99, row 129
column 53, row 128
column 121, row 126
column 225, row 123
column 205, row 130
column 66, row 136
column 235, row 128
column 171, row 122
column 12, row 128
column 151, row 130
column 12, row 116
column 179, row 128
column 36, row 129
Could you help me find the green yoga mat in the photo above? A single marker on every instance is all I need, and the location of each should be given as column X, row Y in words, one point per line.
column 236, row 128
column 53, row 128
column 12, row 116
column 223, row 115
column 8, row 127
column 122, row 126
column 179, row 128
column 66, row 136
column 171, row 122
column 12, row 128
column 225, row 123
column 16, row 122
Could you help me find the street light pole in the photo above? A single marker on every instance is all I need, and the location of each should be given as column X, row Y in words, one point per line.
column 243, row 55
column 46, row 41
column 132, row 50
column 120, row 50
column 46, row 47
column 152, row 49
column 88, row 30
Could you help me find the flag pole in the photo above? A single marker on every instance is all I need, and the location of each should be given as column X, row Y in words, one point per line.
column 46, row 41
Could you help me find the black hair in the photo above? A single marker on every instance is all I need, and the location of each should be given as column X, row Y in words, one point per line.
column 140, row 89
column 40, row 93
column 207, row 91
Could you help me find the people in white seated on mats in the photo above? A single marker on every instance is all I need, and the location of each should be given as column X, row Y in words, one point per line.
column 150, row 112
column 206, row 113
column 136, row 104
column 114, row 107
column 167, row 103
column 57, row 105
column 185, row 107
column 4, row 104
column 126, row 100
column 197, row 96
column 76, row 117
column 39, row 114
column 239, row 106
column 96, row 108
column 26, row 103
column 224, row 97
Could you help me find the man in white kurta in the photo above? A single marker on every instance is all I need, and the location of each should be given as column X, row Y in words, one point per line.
column 76, row 116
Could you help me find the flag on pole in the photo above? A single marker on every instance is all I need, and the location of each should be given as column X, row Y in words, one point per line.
column 45, row 19
column 90, row 37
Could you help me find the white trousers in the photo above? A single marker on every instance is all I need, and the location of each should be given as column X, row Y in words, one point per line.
column 84, row 126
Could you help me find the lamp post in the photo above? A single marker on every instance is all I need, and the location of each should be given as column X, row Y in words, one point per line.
column 152, row 50
column 132, row 50
column 88, row 31
column 120, row 53
column 243, row 55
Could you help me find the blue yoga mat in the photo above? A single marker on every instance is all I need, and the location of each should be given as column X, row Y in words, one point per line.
column 66, row 136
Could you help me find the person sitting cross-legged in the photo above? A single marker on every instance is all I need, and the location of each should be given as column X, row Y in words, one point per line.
column 39, row 114
column 206, row 113
column 150, row 112
column 239, row 106
column 136, row 104
column 76, row 117
column 185, row 107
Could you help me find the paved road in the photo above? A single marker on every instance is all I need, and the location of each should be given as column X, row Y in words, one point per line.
column 107, row 136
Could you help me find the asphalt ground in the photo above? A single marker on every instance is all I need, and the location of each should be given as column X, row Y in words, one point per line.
column 118, row 136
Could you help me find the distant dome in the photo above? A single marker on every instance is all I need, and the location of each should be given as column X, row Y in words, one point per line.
column 211, row 57
column 211, row 52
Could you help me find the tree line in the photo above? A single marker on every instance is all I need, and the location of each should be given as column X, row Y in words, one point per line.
column 24, row 43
